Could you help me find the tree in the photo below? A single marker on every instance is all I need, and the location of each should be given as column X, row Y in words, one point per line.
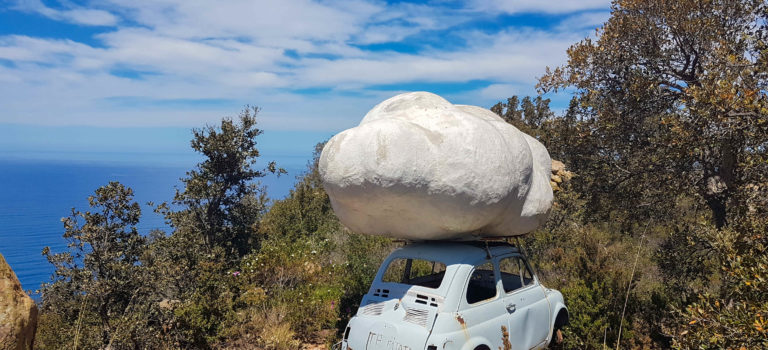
column 530, row 115
column 736, row 315
column 98, row 283
column 308, row 274
column 215, row 220
column 673, row 95
column 534, row 117
column 671, row 114
column 307, row 209
column 221, row 204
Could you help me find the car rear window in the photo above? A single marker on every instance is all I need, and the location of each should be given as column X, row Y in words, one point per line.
column 416, row 272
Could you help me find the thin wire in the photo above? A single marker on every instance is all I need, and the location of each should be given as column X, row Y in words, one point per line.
column 629, row 286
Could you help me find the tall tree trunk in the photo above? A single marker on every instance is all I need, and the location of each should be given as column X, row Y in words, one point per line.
column 721, row 182
column 104, row 315
column 717, row 205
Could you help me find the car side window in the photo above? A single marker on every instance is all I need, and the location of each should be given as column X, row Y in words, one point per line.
column 515, row 273
column 482, row 284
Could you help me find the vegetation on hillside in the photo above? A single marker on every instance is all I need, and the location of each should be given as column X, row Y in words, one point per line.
column 658, row 240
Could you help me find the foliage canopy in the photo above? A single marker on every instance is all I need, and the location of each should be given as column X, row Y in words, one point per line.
column 672, row 95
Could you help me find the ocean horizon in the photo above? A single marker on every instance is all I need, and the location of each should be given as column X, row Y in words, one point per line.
column 36, row 194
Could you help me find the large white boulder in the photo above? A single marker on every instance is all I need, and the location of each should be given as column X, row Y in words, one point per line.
column 420, row 168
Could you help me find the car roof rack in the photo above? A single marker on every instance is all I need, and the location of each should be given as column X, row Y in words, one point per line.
column 480, row 242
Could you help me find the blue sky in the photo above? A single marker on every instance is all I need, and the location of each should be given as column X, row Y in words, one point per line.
column 125, row 80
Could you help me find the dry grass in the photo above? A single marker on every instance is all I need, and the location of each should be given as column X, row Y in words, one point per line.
column 264, row 329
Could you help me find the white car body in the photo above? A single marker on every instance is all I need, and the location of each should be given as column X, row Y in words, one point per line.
column 459, row 311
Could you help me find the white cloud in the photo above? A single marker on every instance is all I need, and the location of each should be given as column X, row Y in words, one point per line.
column 266, row 22
column 538, row 6
column 171, row 55
column 586, row 20
column 499, row 91
column 399, row 21
column 385, row 33
column 88, row 17
column 240, row 51
column 511, row 56
column 30, row 53
column 77, row 15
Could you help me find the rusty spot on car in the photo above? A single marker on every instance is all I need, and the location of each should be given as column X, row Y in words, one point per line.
column 463, row 325
column 505, row 339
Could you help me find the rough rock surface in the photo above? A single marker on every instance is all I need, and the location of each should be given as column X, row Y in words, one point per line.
column 559, row 175
column 418, row 167
column 18, row 313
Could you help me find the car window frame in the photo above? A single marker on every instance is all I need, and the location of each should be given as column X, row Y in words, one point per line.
column 534, row 278
column 465, row 288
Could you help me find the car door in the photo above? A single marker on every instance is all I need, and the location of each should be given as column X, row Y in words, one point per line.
column 480, row 312
column 526, row 304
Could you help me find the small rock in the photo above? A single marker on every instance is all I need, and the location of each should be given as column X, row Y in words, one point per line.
column 167, row 304
column 557, row 166
column 559, row 175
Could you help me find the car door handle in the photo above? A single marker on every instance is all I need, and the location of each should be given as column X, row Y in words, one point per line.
column 511, row 308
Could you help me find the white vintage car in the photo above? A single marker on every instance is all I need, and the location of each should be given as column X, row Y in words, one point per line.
column 456, row 295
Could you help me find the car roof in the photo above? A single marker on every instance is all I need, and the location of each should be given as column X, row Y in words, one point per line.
column 454, row 252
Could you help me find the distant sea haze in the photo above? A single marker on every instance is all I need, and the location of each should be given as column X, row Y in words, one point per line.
column 35, row 195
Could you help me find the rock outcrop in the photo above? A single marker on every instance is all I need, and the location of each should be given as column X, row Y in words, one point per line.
column 18, row 313
column 418, row 167
column 559, row 175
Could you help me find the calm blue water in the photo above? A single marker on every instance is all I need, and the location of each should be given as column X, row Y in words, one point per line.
column 35, row 195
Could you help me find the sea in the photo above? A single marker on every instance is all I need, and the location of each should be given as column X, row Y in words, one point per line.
column 36, row 194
